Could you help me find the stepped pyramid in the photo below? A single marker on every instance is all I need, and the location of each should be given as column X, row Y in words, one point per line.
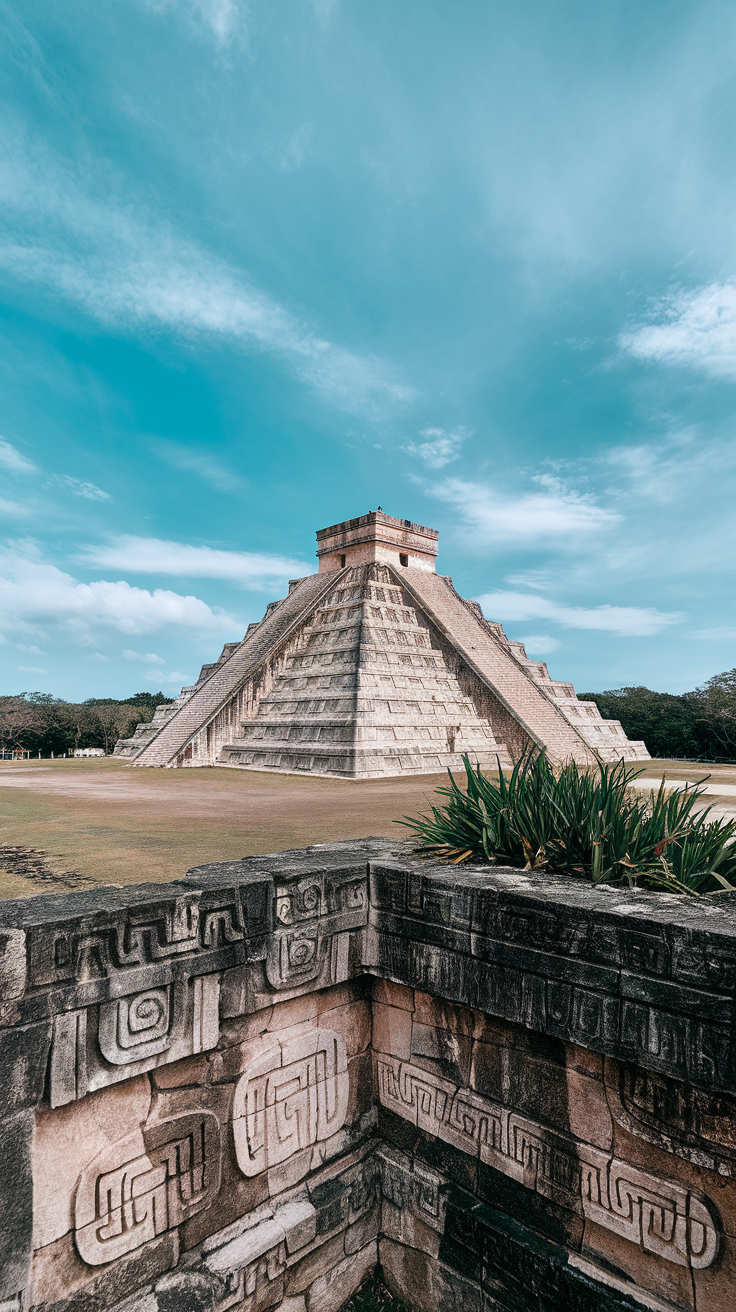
column 374, row 666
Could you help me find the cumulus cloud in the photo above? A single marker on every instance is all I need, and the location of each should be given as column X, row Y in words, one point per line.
column 622, row 621
column 438, row 446
column 11, row 458
column 154, row 556
column 150, row 657
column 133, row 272
column 489, row 516
column 694, row 328
column 33, row 592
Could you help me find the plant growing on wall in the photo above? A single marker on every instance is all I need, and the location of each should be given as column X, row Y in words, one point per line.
column 585, row 823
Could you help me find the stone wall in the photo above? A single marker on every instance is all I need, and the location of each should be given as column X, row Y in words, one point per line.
column 246, row 1089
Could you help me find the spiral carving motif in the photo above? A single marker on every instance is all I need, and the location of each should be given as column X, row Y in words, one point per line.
column 148, row 1012
column 136, row 1027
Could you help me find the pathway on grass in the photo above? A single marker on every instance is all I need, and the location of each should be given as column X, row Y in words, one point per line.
column 719, row 783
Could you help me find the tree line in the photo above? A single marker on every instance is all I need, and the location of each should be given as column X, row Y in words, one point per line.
column 41, row 723
column 690, row 726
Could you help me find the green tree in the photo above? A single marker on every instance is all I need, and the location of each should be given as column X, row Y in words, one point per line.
column 714, row 708
column 18, row 719
column 46, row 724
column 667, row 722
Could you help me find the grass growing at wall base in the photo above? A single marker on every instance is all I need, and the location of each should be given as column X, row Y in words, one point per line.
column 582, row 822
column 373, row 1296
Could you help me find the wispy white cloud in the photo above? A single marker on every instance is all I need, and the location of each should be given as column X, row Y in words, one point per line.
column 12, row 459
column 726, row 633
column 13, row 508
column 80, row 489
column 487, row 515
column 175, row 679
column 153, row 556
column 134, row 272
column 296, row 148
column 696, row 329
column 33, row 592
column 32, row 669
column 531, row 578
column 438, row 446
column 324, row 9
column 622, row 621
column 539, row 644
column 150, row 657
column 200, row 463
column 218, row 18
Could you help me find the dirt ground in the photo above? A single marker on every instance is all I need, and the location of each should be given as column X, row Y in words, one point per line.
column 77, row 823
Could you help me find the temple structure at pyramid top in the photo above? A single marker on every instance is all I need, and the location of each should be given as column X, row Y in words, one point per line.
column 374, row 666
column 377, row 538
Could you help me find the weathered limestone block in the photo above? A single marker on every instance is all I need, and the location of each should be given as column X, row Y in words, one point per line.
column 121, row 983
column 16, row 1204
column 568, row 960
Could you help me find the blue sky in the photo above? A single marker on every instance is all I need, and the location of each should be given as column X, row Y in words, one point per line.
column 268, row 265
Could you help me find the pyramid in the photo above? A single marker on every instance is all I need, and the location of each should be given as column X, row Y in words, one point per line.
column 375, row 666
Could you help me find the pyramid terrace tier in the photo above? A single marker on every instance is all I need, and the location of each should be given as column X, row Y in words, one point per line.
column 373, row 670
column 394, row 711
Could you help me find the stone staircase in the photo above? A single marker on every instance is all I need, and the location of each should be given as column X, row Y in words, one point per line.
column 367, row 694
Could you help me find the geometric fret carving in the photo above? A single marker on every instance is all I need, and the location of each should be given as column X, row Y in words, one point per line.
column 256, row 1253
column 411, row 1186
column 134, row 1028
column 293, row 1095
column 146, row 1184
column 141, row 984
column 313, row 915
column 659, row 1215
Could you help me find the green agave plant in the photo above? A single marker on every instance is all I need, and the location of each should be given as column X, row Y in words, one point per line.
column 581, row 822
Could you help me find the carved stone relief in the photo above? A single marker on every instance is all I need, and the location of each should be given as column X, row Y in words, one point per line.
column 146, row 1184
column 293, row 1095
column 257, row 1249
column 96, row 1046
column 693, row 1124
column 409, row 1184
column 661, row 1216
column 313, row 916
column 128, row 975
column 97, row 947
